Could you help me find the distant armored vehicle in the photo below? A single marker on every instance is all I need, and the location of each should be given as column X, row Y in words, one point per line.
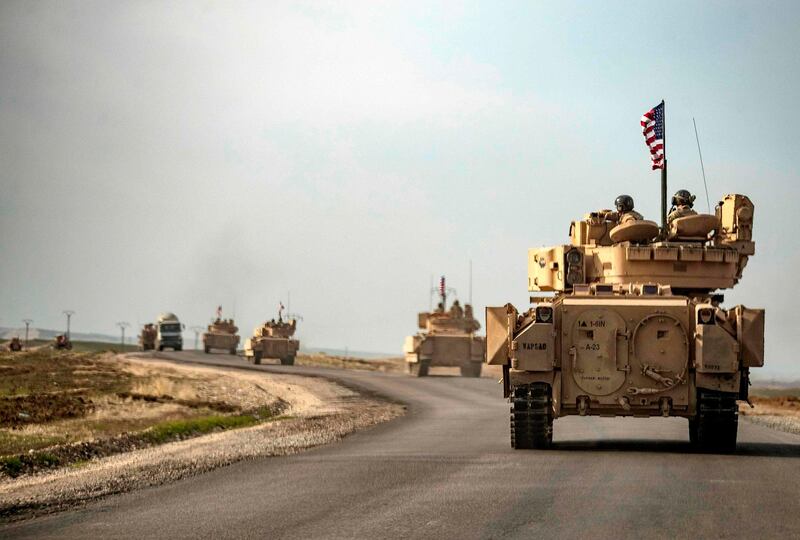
column 147, row 339
column 273, row 339
column 169, row 332
column 221, row 335
column 62, row 342
column 447, row 340
column 632, row 327
column 15, row 345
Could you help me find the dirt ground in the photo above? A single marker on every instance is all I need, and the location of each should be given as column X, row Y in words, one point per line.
column 775, row 408
column 391, row 365
column 50, row 398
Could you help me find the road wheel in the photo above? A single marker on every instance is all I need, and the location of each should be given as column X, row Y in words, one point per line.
column 419, row 369
column 160, row 348
column 472, row 369
column 233, row 352
column 178, row 349
column 532, row 416
column 207, row 349
column 717, row 422
column 288, row 361
column 256, row 357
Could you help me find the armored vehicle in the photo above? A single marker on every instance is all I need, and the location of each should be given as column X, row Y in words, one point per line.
column 447, row 340
column 273, row 339
column 221, row 335
column 169, row 332
column 62, row 343
column 626, row 322
column 15, row 345
column 147, row 339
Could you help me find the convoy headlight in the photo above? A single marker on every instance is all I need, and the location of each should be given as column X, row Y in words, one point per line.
column 705, row 316
column 574, row 260
column 574, row 256
column 544, row 314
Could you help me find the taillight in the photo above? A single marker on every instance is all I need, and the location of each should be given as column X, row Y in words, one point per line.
column 705, row 316
column 544, row 314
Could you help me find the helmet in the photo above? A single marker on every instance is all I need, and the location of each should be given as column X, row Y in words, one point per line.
column 683, row 197
column 624, row 203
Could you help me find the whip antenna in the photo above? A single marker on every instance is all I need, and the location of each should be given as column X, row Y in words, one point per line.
column 470, row 282
column 702, row 168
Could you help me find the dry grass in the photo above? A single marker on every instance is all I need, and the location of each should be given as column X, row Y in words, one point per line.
column 53, row 398
column 396, row 365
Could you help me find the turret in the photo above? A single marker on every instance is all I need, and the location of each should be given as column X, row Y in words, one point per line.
column 701, row 253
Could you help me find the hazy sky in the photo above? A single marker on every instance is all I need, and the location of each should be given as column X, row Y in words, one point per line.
column 180, row 155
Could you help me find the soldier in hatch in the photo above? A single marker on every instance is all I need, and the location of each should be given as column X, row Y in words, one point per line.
column 625, row 211
column 456, row 311
column 682, row 203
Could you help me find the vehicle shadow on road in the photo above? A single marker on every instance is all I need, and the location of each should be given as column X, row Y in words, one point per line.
column 677, row 447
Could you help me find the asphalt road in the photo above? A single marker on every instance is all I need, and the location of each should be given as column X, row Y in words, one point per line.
column 446, row 470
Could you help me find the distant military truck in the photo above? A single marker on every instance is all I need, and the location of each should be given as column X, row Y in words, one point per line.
column 222, row 335
column 15, row 345
column 447, row 340
column 169, row 332
column 62, row 343
column 626, row 322
column 147, row 339
column 273, row 339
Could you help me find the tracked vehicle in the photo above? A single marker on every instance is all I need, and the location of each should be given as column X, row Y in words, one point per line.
column 273, row 339
column 447, row 339
column 221, row 334
column 626, row 321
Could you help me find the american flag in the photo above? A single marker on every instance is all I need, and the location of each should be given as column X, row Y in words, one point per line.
column 653, row 129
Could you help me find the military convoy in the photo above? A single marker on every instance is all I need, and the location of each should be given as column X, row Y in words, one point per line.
column 447, row 340
column 222, row 335
column 626, row 322
column 273, row 339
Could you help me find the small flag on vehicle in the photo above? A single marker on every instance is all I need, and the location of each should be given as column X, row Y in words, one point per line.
column 219, row 312
column 653, row 129
column 441, row 286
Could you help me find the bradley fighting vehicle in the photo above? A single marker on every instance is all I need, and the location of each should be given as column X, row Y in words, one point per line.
column 447, row 339
column 221, row 334
column 273, row 339
column 634, row 327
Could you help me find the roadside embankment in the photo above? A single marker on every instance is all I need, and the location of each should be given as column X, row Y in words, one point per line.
column 386, row 365
column 118, row 423
column 777, row 408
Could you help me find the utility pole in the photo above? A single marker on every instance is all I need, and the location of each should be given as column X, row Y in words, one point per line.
column 28, row 323
column 69, row 313
column 196, row 330
column 122, row 326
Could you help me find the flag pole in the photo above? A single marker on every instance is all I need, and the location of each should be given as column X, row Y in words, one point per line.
column 664, row 177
